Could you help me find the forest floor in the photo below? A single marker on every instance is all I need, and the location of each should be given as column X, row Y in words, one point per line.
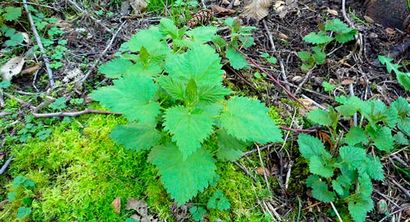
column 49, row 136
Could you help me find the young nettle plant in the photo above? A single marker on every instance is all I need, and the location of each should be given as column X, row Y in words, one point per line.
column 334, row 31
column 402, row 77
column 345, row 174
column 168, row 84
column 241, row 37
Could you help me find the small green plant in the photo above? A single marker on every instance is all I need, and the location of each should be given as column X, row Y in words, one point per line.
column 345, row 175
column 168, row 84
column 402, row 77
column 21, row 195
column 241, row 37
column 9, row 15
column 334, row 31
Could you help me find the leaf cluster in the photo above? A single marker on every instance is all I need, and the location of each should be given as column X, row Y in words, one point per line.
column 21, row 195
column 402, row 77
column 168, row 84
column 346, row 175
column 333, row 31
column 8, row 15
column 217, row 201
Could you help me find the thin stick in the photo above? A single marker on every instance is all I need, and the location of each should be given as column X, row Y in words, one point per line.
column 40, row 44
column 263, row 166
column 73, row 114
column 304, row 80
column 336, row 212
column 114, row 36
column 6, row 164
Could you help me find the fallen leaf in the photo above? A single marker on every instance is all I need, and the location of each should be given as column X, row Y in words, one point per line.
column 332, row 12
column 257, row 9
column 368, row 19
column 218, row 10
column 262, row 171
column 282, row 36
column 347, row 82
column 31, row 69
column 138, row 6
column 297, row 79
column 390, row 31
column 138, row 205
column 12, row 68
column 26, row 37
column 236, row 3
column 74, row 74
column 116, row 204
column 284, row 7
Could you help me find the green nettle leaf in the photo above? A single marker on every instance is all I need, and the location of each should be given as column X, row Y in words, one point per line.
column 345, row 37
column 190, row 127
column 356, row 135
column 15, row 40
column 320, row 167
column 350, row 106
column 23, row 212
column 310, row 146
column 200, row 63
column 212, row 93
column 402, row 107
column 372, row 167
column 136, row 137
column 390, row 66
column 5, row 84
column 359, row 207
column 247, row 119
column 218, row 201
column 305, row 56
column 191, row 92
column 115, row 68
column 317, row 38
column 132, row 96
column 12, row 13
column 151, row 40
column 236, row 59
column 342, row 185
column 183, row 178
column 404, row 80
column 401, row 139
column 322, row 117
column 319, row 55
column 168, row 27
column 197, row 213
column 328, row 87
column 173, row 86
column 353, row 156
column 229, row 148
column 320, row 191
column 336, row 25
column 203, row 34
column 381, row 136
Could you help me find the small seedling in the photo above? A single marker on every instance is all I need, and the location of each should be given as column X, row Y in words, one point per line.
column 334, row 31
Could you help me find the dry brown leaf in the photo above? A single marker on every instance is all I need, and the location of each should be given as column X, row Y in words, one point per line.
column 332, row 12
column 31, row 69
column 283, row 36
column 74, row 74
column 257, row 9
column 262, row 171
column 12, row 67
column 138, row 205
column 390, row 31
column 221, row 11
column 138, row 6
column 347, row 82
column 116, row 204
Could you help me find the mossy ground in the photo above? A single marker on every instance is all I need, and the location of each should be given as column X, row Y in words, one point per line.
column 79, row 171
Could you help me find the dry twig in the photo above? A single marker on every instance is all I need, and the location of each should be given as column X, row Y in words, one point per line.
column 40, row 44
column 73, row 114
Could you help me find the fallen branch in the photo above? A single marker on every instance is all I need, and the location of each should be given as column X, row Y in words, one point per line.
column 3, row 114
column 40, row 44
column 73, row 114
column 6, row 164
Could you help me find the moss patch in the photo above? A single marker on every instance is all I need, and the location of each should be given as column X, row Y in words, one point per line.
column 79, row 171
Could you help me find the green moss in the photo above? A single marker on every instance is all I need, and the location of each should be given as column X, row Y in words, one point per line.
column 79, row 171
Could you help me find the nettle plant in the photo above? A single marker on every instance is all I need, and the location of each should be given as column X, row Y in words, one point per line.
column 334, row 31
column 9, row 15
column 345, row 173
column 402, row 77
column 168, row 84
